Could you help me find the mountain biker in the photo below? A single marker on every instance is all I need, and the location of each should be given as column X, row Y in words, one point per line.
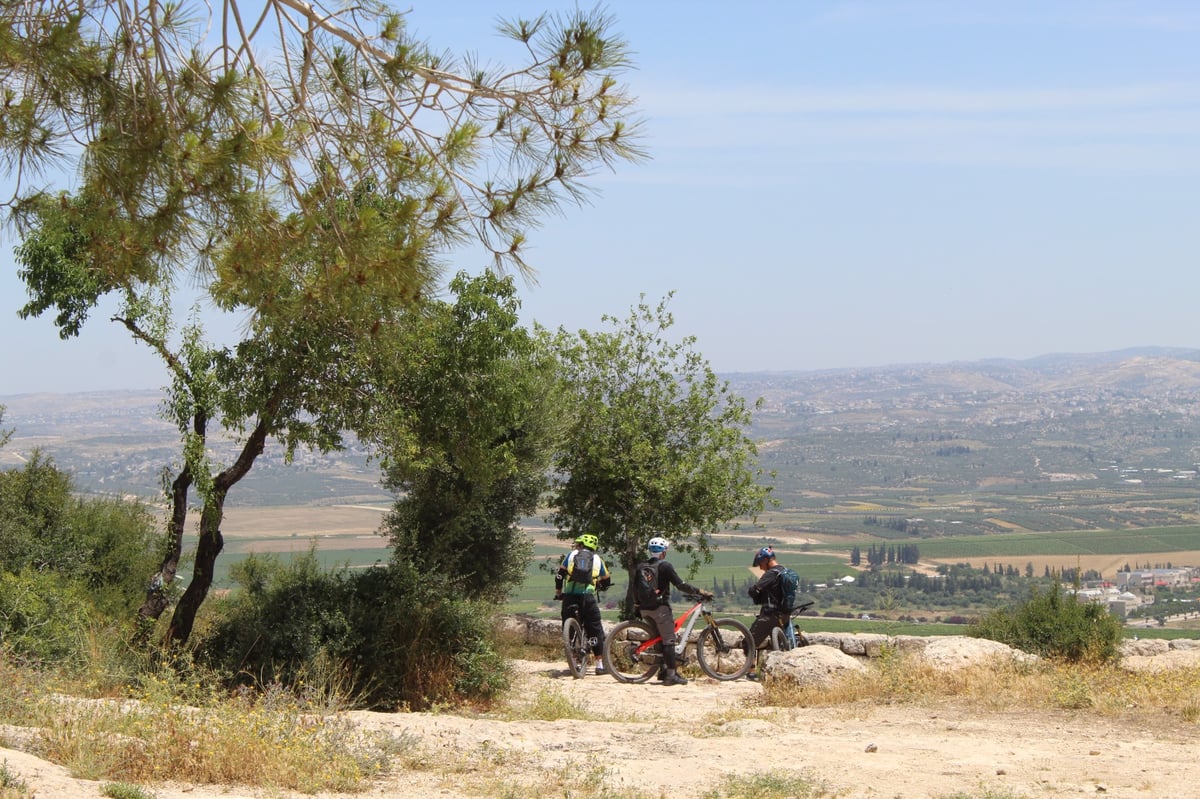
column 583, row 595
column 660, row 615
column 768, row 593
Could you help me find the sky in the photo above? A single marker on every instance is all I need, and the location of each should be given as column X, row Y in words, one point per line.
column 843, row 184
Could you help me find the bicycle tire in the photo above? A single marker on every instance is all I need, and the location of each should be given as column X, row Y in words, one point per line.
column 725, row 650
column 621, row 658
column 779, row 640
column 575, row 646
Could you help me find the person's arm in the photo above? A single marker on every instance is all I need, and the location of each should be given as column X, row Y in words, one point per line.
column 684, row 588
column 604, row 579
column 560, row 576
column 762, row 589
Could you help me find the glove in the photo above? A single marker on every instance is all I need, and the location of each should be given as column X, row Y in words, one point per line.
column 707, row 595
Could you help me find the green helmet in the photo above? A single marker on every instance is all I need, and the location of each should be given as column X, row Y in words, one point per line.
column 588, row 540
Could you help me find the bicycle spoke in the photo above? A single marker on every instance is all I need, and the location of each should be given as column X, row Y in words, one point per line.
column 575, row 646
column 621, row 657
column 724, row 649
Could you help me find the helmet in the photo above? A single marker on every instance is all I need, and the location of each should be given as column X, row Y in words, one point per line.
column 657, row 544
column 588, row 540
column 766, row 553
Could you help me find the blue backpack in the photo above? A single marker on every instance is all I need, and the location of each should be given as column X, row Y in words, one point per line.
column 789, row 582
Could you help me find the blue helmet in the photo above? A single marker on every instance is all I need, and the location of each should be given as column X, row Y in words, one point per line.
column 766, row 553
column 657, row 544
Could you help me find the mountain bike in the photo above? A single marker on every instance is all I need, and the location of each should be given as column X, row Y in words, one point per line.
column 788, row 637
column 724, row 651
column 576, row 643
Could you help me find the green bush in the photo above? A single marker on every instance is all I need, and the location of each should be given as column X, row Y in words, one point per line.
column 107, row 546
column 397, row 637
column 44, row 618
column 1054, row 625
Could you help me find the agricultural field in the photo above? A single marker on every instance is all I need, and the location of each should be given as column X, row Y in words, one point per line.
column 1061, row 462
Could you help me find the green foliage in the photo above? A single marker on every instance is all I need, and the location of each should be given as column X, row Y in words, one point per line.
column 5, row 435
column 68, row 566
column 776, row 784
column 34, row 500
column 469, row 420
column 400, row 635
column 1054, row 625
column 657, row 444
column 314, row 202
column 11, row 784
column 105, row 545
column 124, row 790
column 45, row 618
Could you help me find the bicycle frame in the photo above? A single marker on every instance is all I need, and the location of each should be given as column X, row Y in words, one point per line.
column 689, row 617
column 790, row 631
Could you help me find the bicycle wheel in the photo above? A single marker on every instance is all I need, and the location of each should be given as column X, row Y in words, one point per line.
column 575, row 646
column 779, row 640
column 621, row 657
column 725, row 650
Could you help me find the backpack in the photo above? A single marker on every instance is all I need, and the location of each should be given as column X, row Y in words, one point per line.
column 789, row 581
column 581, row 566
column 645, row 582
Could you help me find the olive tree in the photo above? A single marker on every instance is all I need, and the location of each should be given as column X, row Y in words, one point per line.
column 305, row 167
column 657, row 444
column 468, row 428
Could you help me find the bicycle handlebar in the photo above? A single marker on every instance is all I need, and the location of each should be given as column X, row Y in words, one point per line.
column 803, row 606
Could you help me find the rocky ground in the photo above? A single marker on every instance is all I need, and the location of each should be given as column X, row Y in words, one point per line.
column 681, row 741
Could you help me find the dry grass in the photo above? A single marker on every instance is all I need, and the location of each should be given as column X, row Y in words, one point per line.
column 180, row 731
column 173, row 730
column 1102, row 689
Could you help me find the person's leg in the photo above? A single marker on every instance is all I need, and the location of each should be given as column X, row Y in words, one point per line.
column 568, row 602
column 760, row 634
column 665, row 622
column 592, row 623
column 760, row 631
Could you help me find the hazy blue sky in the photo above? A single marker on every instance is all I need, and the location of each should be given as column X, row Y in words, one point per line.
column 842, row 184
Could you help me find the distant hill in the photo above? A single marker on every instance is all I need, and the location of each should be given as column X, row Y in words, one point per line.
column 1109, row 431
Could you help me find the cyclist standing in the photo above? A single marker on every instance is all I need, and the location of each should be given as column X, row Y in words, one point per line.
column 657, row 609
column 580, row 590
column 768, row 593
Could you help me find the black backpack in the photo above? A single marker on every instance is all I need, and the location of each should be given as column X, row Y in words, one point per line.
column 581, row 567
column 645, row 582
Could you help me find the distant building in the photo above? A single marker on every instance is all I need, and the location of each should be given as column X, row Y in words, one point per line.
column 1150, row 578
column 1118, row 602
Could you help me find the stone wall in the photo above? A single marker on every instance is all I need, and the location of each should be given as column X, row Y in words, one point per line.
column 848, row 649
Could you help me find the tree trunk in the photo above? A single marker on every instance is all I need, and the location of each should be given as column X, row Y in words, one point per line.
column 211, row 541
column 157, row 594
column 157, row 597
column 209, row 546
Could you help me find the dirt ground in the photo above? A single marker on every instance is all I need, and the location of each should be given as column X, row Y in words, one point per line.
column 682, row 741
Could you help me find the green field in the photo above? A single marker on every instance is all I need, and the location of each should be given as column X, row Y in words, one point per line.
column 1149, row 540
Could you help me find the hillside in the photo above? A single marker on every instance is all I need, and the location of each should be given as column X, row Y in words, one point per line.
column 1087, row 441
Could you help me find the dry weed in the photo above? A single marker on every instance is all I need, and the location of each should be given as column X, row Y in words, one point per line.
column 1104, row 689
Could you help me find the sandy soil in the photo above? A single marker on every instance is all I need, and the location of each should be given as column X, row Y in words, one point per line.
column 681, row 741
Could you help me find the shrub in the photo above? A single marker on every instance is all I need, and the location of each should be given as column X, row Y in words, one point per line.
column 1053, row 625
column 44, row 618
column 392, row 636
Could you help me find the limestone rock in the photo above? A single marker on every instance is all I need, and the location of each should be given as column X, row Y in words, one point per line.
column 811, row 665
column 1146, row 647
column 959, row 651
